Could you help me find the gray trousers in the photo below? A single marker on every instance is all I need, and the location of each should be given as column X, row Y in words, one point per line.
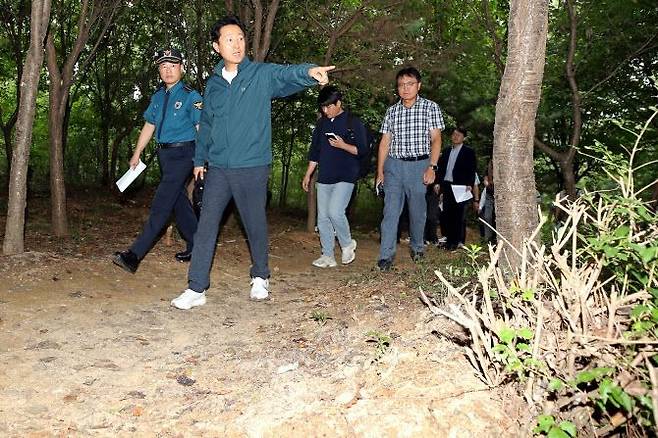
column 403, row 180
column 248, row 187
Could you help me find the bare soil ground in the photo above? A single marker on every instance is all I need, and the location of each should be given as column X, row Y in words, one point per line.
column 89, row 350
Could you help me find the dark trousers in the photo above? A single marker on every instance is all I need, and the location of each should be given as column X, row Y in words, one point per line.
column 170, row 196
column 433, row 214
column 453, row 216
column 248, row 187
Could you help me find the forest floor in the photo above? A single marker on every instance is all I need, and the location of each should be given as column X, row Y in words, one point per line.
column 87, row 349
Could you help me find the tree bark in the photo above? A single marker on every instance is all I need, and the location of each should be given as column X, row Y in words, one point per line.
column 115, row 151
column 514, row 131
column 58, row 96
column 312, row 208
column 286, row 160
column 565, row 158
column 15, row 226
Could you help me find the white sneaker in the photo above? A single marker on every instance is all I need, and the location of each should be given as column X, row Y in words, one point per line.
column 189, row 299
column 348, row 253
column 259, row 288
column 325, row 262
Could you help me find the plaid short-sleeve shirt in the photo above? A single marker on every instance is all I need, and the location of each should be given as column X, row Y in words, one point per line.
column 410, row 127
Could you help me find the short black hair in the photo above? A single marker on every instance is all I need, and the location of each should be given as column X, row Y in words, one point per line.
column 329, row 95
column 461, row 129
column 408, row 71
column 225, row 21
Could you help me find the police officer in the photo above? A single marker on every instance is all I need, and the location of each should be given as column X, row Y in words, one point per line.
column 173, row 117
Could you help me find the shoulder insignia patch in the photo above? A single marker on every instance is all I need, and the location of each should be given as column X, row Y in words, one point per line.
column 198, row 105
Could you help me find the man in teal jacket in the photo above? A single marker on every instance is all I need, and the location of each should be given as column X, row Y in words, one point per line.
column 234, row 140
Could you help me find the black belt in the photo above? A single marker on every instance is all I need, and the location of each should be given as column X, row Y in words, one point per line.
column 418, row 158
column 176, row 145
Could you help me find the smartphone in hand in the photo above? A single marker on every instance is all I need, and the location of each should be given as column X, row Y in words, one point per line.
column 331, row 136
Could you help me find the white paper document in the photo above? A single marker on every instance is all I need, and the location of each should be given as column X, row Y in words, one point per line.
column 461, row 194
column 130, row 176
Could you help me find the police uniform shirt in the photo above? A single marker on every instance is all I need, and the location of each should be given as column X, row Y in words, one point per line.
column 175, row 113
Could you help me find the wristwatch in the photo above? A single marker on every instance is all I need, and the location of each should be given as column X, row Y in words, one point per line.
column 434, row 167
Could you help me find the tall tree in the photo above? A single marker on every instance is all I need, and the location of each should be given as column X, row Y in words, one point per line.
column 14, row 228
column 514, row 131
column 94, row 19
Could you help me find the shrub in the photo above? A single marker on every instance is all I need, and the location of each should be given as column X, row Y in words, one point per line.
column 576, row 328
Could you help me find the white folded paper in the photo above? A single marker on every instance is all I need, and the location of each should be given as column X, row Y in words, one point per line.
column 461, row 193
column 130, row 176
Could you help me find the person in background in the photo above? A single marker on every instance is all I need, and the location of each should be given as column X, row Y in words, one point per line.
column 172, row 116
column 235, row 141
column 456, row 167
column 338, row 140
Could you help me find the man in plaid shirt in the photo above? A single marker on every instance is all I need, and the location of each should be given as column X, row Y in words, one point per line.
column 408, row 153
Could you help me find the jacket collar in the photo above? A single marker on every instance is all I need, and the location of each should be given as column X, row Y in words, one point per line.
column 241, row 67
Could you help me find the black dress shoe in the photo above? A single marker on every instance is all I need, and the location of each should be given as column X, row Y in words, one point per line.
column 384, row 265
column 184, row 256
column 416, row 256
column 126, row 260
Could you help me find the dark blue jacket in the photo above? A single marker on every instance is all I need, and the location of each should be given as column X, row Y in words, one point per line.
column 463, row 174
column 235, row 130
column 337, row 165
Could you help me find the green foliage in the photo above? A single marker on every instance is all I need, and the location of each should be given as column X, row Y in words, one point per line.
column 320, row 316
column 473, row 254
column 381, row 341
column 547, row 426
column 514, row 351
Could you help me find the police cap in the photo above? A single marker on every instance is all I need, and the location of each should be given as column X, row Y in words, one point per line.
column 168, row 55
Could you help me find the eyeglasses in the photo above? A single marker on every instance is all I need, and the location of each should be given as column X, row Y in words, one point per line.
column 407, row 84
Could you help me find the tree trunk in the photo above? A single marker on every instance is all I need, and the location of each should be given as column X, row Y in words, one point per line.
column 311, row 205
column 565, row 158
column 285, row 163
column 59, row 220
column 116, row 143
column 514, row 131
column 6, row 134
column 104, row 158
column 15, row 226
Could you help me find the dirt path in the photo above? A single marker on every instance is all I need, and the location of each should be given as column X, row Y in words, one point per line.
column 88, row 350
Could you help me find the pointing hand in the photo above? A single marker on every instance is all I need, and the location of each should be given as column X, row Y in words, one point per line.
column 320, row 74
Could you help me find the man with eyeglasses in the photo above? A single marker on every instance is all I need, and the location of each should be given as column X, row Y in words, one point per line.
column 407, row 161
